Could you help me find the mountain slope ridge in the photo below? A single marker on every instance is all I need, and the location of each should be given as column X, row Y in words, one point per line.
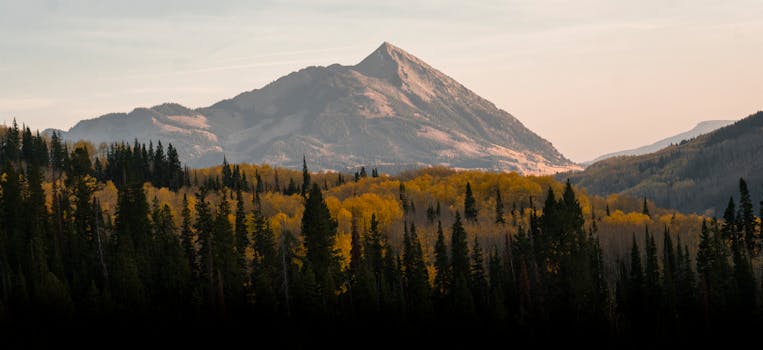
column 391, row 110
column 703, row 127
column 693, row 176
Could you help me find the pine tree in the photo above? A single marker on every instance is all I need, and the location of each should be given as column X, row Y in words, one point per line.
column 266, row 263
column 479, row 278
column 430, row 214
column 636, row 282
column 356, row 250
column 729, row 228
column 651, row 270
column 470, row 204
column 175, row 173
column 498, row 207
column 291, row 188
column 228, row 277
column 403, row 198
column 442, row 265
column 416, row 276
column 188, row 238
column 685, row 281
column 172, row 271
column 319, row 231
column 132, row 245
column 497, row 295
column 460, row 295
column 459, row 251
column 205, row 230
column 242, row 236
column 670, row 276
column 645, row 209
column 305, row 177
column 747, row 223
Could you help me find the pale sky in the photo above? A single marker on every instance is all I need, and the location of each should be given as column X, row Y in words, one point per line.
column 591, row 76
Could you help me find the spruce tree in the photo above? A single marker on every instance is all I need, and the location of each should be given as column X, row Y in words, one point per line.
column 748, row 222
column 403, row 198
column 319, row 231
column 173, row 273
column 498, row 207
column 205, row 230
column 459, row 251
column 356, row 250
column 305, row 177
column 442, row 265
column 460, row 295
column 729, row 228
column 498, row 280
column 228, row 277
column 636, row 281
column 645, row 209
column 266, row 263
column 242, row 234
column 133, row 247
column 478, row 278
column 374, row 251
column 188, row 238
column 670, row 277
column 470, row 204
column 651, row 269
column 416, row 275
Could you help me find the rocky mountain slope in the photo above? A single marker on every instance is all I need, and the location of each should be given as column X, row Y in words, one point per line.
column 391, row 111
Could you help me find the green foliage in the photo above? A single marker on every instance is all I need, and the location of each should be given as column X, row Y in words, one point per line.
column 319, row 231
column 470, row 204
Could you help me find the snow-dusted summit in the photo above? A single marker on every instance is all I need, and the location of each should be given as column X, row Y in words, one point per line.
column 391, row 111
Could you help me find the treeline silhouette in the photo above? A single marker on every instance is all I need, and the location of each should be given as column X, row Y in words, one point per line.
column 70, row 261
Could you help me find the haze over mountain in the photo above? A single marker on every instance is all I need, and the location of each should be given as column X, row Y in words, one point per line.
column 701, row 128
column 693, row 176
column 391, row 111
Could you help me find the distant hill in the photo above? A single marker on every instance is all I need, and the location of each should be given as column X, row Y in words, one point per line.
column 701, row 128
column 694, row 176
column 391, row 111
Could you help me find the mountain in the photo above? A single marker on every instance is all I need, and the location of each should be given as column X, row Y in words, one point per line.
column 701, row 128
column 391, row 111
column 698, row 175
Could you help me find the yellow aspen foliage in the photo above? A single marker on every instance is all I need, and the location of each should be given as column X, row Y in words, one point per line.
column 387, row 209
column 108, row 195
column 343, row 245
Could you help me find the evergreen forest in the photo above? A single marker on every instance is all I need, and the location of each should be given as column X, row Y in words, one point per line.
column 112, row 236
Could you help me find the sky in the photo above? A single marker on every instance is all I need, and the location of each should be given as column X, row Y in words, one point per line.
column 591, row 76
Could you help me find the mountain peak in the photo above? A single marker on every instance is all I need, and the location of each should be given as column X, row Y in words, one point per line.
column 391, row 110
column 389, row 62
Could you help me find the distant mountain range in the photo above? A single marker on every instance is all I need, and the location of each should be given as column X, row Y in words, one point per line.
column 694, row 176
column 391, row 111
column 701, row 128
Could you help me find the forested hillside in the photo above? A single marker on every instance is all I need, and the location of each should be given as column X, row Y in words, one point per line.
column 125, row 232
column 694, row 176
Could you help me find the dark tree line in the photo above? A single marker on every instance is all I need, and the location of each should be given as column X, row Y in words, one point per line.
column 136, row 163
column 70, row 260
